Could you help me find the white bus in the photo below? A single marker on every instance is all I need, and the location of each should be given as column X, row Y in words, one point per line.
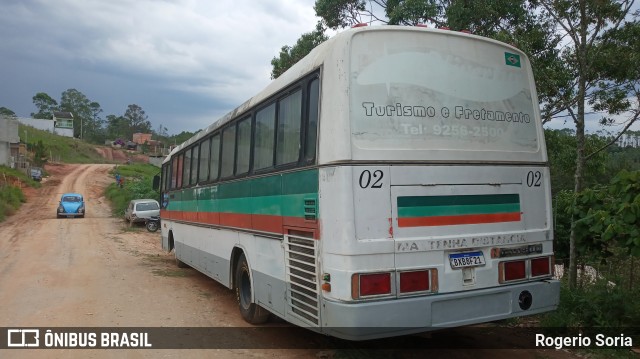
column 393, row 181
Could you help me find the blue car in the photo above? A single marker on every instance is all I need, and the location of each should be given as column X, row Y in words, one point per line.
column 71, row 205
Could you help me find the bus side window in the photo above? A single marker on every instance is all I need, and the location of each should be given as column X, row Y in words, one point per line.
column 203, row 166
column 179, row 171
column 312, row 120
column 187, row 167
column 243, row 145
column 228, row 150
column 163, row 178
column 289, row 120
column 215, row 157
column 264, row 141
column 174, row 173
column 194, row 164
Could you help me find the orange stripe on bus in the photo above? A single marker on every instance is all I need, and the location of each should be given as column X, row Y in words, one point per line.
column 259, row 222
column 454, row 220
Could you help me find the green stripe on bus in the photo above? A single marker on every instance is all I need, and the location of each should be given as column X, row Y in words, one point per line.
column 457, row 210
column 277, row 195
column 476, row 199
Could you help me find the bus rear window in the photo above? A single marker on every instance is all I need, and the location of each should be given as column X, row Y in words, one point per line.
column 435, row 91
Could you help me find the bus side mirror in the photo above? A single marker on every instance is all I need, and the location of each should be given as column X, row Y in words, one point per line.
column 156, row 182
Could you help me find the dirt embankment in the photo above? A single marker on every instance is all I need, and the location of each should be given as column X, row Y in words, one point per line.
column 118, row 155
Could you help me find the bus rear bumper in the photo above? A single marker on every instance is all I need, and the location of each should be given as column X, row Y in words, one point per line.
column 370, row 320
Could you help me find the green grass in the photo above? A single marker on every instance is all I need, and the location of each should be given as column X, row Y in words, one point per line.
column 12, row 197
column 61, row 148
column 8, row 174
column 138, row 180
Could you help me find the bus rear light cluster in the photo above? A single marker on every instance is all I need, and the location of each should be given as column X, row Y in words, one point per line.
column 512, row 271
column 518, row 270
column 541, row 267
column 370, row 284
column 418, row 281
column 365, row 285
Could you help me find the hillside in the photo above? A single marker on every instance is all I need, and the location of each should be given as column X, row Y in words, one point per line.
column 72, row 150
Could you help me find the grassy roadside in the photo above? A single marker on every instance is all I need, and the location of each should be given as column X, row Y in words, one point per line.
column 11, row 196
column 61, row 148
column 138, row 181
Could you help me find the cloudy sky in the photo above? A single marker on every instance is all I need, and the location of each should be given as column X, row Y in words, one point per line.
column 185, row 62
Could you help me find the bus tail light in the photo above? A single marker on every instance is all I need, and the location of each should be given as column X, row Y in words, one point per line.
column 416, row 281
column 363, row 285
column 512, row 271
column 526, row 268
column 541, row 267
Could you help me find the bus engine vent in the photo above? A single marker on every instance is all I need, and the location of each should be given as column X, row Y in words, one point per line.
column 302, row 278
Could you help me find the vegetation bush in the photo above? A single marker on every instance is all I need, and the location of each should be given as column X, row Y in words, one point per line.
column 11, row 197
column 603, row 303
column 607, row 239
column 138, row 182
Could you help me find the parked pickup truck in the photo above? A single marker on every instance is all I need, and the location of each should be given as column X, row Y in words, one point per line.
column 36, row 173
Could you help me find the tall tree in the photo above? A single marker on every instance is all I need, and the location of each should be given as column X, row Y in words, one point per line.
column 137, row 119
column 520, row 24
column 117, row 127
column 86, row 122
column 46, row 106
column 337, row 14
column 289, row 55
column 593, row 31
column 95, row 130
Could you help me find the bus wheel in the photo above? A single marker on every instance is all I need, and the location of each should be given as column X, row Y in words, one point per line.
column 179, row 263
column 251, row 312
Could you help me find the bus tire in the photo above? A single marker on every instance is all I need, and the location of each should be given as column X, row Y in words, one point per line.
column 251, row 312
column 179, row 263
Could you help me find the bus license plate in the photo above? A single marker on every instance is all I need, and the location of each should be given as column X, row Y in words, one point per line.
column 466, row 259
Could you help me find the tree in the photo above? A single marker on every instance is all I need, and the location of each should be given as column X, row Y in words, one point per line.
column 87, row 124
column 137, row 120
column 117, row 127
column 39, row 154
column 413, row 12
column 46, row 106
column 520, row 24
column 341, row 13
column 7, row 112
column 289, row 55
column 595, row 36
column 181, row 137
column 561, row 147
column 95, row 131
column 610, row 215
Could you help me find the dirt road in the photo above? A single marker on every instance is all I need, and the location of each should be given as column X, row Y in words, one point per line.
column 96, row 272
